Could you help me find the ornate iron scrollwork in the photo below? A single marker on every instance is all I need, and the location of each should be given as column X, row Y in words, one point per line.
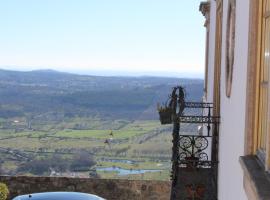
column 198, row 105
column 193, row 146
column 199, row 119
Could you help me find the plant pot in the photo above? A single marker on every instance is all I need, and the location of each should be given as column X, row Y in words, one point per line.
column 165, row 116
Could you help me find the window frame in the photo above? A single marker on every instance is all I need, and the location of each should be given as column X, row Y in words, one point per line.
column 255, row 165
column 255, row 56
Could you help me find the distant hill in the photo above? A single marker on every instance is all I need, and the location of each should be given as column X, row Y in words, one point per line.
column 53, row 94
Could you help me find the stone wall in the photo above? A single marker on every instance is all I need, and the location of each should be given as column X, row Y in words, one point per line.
column 109, row 189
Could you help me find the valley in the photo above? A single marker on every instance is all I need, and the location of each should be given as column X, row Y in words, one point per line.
column 59, row 124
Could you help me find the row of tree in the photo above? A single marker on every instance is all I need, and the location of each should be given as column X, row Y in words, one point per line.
column 81, row 161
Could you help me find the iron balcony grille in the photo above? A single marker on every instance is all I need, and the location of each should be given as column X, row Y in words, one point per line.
column 194, row 156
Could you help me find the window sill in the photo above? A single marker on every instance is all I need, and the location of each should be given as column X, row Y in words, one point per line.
column 256, row 180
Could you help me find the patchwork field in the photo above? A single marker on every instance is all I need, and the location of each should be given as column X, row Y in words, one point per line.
column 135, row 145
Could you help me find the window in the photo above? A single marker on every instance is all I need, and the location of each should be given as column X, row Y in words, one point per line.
column 258, row 105
column 263, row 85
column 257, row 139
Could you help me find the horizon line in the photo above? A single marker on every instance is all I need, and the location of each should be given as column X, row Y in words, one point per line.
column 114, row 73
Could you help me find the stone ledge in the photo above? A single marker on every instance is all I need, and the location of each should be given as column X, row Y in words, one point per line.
column 257, row 179
column 110, row 189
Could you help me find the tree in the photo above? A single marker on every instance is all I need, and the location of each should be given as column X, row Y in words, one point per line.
column 82, row 161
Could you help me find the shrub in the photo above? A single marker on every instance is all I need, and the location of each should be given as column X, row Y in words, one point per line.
column 3, row 191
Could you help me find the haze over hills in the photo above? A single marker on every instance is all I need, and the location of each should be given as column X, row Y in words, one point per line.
column 27, row 94
column 49, row 119
column 119, row 73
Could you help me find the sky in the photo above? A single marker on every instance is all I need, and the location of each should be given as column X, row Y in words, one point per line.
column 131, row 36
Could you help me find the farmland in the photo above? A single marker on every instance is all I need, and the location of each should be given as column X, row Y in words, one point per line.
column 60, row 124
column 145, row 143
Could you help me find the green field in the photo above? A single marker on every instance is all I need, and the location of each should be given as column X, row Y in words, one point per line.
column 99, row 134
column 146, row 143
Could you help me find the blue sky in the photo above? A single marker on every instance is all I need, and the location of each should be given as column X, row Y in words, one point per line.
column 110, row 35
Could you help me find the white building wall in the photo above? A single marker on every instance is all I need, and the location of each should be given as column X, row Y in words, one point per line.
column 232, row 110
column 211, row 52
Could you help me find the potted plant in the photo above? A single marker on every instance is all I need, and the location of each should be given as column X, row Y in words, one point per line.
column 165, row 114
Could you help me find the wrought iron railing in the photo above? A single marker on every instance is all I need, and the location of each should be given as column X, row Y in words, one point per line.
column 194, row 156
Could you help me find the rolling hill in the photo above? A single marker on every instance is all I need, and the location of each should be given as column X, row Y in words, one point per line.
column 55, row 94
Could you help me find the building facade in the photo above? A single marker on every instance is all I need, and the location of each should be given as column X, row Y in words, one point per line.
column 236, row 81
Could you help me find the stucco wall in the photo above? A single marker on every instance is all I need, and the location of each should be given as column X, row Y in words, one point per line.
column 108, row 189
column 232, row 111
column 211, row 52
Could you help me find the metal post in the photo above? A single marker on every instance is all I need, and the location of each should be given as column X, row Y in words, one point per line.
column 175, row 158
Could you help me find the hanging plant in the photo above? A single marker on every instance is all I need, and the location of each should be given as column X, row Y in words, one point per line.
column 165, row 114
column 3, row 191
